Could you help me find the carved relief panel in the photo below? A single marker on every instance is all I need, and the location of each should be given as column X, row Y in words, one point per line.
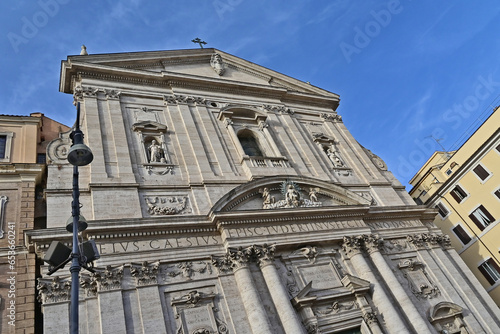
column 165, row 205
column 419, row 281
column 196, row 312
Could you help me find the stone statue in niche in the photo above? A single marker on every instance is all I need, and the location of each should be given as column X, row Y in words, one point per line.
column 156, row 153
column 334, row 157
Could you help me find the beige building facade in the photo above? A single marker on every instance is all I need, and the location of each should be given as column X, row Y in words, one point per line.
column 465, row 187
column 228, row 198
column 22, row 178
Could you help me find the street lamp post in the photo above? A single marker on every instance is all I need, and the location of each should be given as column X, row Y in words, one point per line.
column 79, row 155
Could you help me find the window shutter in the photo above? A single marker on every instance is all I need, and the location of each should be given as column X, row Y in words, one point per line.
column 454, row 194
column 486, row 275
column 461, row 234
column 481, row 172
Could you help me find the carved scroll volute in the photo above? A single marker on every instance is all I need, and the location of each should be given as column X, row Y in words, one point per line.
column 265, row 254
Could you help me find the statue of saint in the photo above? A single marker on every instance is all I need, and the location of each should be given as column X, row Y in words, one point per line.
column 156, row 152
column 292, row 196
column 334, row 158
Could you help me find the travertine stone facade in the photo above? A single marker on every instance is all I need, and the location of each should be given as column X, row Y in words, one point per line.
column 228, row 198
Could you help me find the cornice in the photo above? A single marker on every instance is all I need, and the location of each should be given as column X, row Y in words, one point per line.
column 466, row 167
column 98, row 66
column 288, row 215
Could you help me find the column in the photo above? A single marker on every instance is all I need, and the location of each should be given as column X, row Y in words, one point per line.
column 352, row 248
column 289, row 319
column 373, row 244
column 257, row 315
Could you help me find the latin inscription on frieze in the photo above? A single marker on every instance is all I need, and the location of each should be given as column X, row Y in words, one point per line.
column 293, row 228
column 384, row 225
column 322, row 276
column 156, row 244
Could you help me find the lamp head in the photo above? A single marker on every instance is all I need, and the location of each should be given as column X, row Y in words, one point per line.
column 80, row 155
column 82, row 224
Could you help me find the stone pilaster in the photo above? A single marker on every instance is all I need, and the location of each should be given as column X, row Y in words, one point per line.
column 436, row 250
column 120, row 150
column 373, row 244
column 110, row 298
column 146, row 276
column 352, row 247
column 289, row 319
column 54, row 294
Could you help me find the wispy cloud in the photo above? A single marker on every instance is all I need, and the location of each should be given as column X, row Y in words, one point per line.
column 419, row 119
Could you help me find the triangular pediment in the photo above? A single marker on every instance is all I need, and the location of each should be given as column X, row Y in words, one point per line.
column 149, row 126
column 285, row 192
column 210, row 65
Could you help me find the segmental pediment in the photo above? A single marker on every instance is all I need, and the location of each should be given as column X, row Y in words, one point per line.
column 282, row 192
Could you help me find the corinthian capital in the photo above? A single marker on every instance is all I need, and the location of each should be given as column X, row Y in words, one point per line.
column 240, row 257
column 373, row 242
column 53, row 290
column 110, row 278
column 146, row 273
column 265, row 254
column 352, row 245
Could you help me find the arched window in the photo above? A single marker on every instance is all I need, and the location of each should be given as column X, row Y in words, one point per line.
column 249, row 144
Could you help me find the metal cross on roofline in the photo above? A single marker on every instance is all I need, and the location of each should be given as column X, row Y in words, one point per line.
column 199, row 41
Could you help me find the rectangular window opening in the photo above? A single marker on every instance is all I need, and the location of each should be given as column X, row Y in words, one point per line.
column 461, row 234
column 458, row 193
column 442, row 210
column 490, row 270
column 481, row 217
column 481, row 172
column 3, row 145
column 497, row 193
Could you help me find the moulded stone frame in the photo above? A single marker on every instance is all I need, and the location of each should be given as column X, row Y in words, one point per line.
column 8, row 145
column 256, row 124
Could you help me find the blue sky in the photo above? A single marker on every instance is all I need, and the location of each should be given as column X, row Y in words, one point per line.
column 405, row 70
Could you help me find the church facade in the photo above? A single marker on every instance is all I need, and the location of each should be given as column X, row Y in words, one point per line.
column 225, row 197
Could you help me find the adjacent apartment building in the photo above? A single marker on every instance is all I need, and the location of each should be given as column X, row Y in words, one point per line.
column 225, row 197
column 23, row 141
column 464, row 186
